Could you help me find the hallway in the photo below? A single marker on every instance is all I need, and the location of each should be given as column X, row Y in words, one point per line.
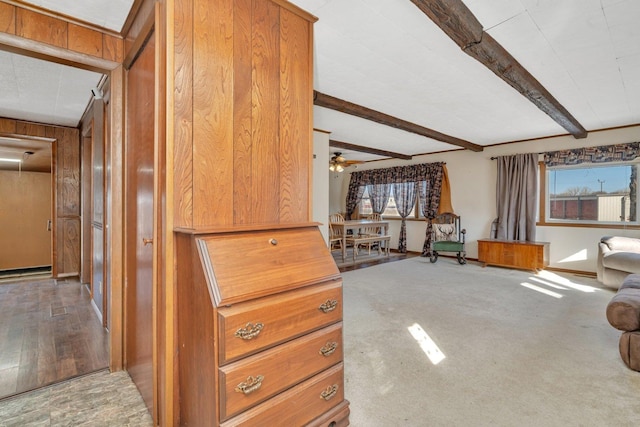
column 49, row 332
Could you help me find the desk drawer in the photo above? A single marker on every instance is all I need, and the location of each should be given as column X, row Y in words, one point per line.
column 299, row 405
column 270, row 372
column 256, row 325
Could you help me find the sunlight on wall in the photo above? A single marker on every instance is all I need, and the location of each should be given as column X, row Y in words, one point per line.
column 426, row 344
column 578, row 256
column 541, row 290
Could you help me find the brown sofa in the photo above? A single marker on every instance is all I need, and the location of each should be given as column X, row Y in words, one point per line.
column 623, row 313
column 618, row 257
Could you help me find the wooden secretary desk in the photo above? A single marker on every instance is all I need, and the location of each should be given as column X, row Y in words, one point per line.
column 259, row 297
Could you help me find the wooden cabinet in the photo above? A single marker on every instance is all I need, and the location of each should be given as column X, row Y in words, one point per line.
column 514, row 254
column 260, row 329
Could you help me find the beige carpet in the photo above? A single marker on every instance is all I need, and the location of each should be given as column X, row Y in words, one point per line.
column 514, row 349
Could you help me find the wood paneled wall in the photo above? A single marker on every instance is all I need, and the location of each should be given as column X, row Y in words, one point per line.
column 66, row 198
column 243, row 113
column 40, row 27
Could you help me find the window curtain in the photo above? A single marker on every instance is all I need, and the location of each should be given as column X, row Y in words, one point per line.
column 516, row 197
column 354, row 195
column 430, row 194
column 379, row 196
column 405, row 197
column 428, row 176
column 600, row 154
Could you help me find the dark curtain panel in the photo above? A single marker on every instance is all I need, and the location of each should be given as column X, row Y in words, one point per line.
column 516, row 197
column 430, row 191
column 405, row 197
column 428, row 176
column 354, row 195
column 379, row 196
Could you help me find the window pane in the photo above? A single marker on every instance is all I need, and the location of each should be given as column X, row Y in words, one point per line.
column 593, row 194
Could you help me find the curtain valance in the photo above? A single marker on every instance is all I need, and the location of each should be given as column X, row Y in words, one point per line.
column 396, row 174
column 599, row 154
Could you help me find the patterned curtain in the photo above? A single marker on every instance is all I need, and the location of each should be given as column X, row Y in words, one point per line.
column 428, row 176
column 600, row 154
column 405, row 197
column 354, row 195
column 430, row 191
column 379, row 196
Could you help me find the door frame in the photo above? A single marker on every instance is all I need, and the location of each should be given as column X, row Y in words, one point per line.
column 113, row 161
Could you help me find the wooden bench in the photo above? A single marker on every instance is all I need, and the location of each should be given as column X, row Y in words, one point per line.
column 370, row 239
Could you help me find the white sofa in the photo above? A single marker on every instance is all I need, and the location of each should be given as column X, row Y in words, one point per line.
column 617, row 258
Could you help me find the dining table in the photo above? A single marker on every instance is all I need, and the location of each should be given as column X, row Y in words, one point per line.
column 355, row 225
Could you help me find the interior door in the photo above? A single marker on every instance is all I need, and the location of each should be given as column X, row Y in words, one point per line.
column 139, row 222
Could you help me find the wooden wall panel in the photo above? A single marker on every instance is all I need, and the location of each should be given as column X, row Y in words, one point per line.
column 213, row 113
column 68, row 162
column 183, row 114
column 112, row 48
column 242, row 109
column 42, row 28
column 266, row 112
column 85, row 40
column 243, row 113
column 7, row 18
column 8, row 125
column 58, row 32
column 295, row 118
column 69, row 229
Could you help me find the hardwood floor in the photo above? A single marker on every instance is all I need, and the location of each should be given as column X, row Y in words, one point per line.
column 49, row 332
column 363, row 260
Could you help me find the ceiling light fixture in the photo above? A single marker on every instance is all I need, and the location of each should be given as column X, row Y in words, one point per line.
column 334, row 167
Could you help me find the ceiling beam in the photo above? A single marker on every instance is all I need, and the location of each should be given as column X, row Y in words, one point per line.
column 326, row 101
column 457, row 21
column 346, row 146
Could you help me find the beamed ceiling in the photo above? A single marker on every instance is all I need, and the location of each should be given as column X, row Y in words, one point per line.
column 398, row 78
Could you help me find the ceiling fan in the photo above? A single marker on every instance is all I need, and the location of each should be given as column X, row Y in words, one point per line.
column 338, row 162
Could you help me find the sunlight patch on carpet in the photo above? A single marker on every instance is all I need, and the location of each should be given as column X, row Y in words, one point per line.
column 563, row 281
column 541, row 290
column 427, row 345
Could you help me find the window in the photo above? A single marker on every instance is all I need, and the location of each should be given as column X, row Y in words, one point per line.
column 592, row 194
column 390, row 210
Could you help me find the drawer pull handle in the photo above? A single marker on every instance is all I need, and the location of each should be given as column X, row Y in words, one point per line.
column 273, row 242
column 329, row 348
column 328, row 306
column 249, row 331
column 250, row 385
column 329, row 392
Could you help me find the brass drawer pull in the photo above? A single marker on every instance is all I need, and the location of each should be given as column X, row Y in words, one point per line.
column 329, row 348
column 250, row 385
column 330, row 392
column 329, row 305
column 249, row 331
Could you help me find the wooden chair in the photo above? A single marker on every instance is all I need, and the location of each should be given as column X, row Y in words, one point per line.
column 335, row 238
column 447, row 236
column 335, row 233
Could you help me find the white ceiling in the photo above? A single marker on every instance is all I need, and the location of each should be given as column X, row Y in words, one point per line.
column 388, row 56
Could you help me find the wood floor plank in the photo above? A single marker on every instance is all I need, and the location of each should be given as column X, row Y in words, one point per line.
column 48, row 333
